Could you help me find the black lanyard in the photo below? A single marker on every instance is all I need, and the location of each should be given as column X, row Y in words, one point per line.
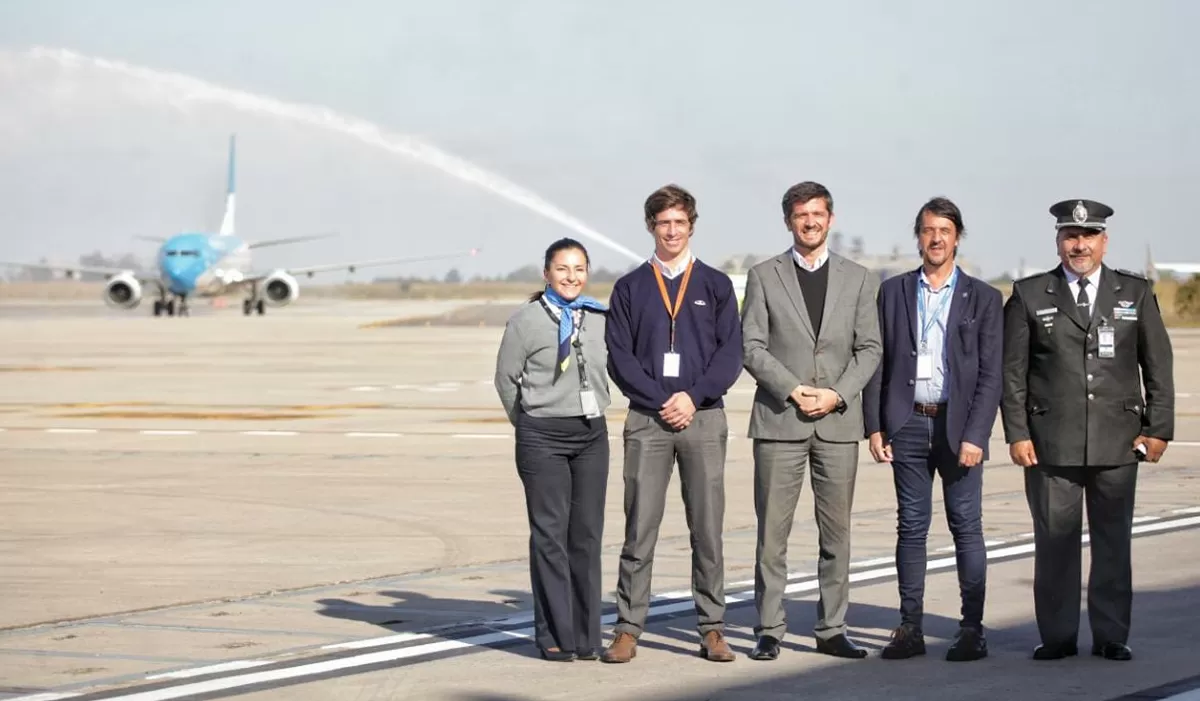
column 583, row 380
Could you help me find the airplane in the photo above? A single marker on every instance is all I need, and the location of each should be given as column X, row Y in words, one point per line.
column 204, row 265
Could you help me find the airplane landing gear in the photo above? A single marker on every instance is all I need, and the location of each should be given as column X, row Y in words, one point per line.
column 168, row 307
column 250, row 306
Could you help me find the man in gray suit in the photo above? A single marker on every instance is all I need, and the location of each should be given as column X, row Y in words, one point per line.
column 811, row 340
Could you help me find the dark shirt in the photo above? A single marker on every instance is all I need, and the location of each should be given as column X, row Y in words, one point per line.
column 813, row 285
column 708, row 338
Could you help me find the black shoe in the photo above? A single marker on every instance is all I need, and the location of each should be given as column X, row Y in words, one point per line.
column 840, row 646
column 1113, row 651
column 587, row 655
column 1055, row 652
column 556, row 655
column 766, row 649
column 907, row 641
column 968, row 645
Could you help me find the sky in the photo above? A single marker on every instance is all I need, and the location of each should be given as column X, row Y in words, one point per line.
column 582, row 110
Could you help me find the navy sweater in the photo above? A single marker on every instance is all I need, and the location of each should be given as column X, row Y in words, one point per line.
column 708, row 338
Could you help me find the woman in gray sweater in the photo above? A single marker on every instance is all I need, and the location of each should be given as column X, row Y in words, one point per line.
column 552, row 380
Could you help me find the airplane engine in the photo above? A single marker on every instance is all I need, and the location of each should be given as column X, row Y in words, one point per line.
column 123, row 291
column 280, row 289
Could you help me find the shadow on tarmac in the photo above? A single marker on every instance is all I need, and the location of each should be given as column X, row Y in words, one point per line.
column 1163, row 657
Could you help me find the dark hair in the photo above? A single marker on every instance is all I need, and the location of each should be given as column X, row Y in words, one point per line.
column 940, row 207
column 803, row 192
column 563, row 244
column 665, row 198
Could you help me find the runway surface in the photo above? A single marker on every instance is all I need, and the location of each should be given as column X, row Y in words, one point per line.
column 197, row 500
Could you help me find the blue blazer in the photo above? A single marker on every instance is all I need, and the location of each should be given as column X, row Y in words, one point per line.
column 975, row 336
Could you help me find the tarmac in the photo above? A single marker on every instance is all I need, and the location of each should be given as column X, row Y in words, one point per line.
column 321, row 503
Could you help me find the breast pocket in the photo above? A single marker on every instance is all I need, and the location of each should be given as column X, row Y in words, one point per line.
column 968, row 336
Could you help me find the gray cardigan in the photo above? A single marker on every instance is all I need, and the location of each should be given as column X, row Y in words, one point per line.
column 525, row 364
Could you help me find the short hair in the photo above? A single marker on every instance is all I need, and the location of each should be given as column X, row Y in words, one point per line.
column 669, row 196
column 941, row 207
column 803, row 192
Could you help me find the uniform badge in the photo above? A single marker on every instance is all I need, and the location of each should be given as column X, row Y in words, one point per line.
column 1080, row 213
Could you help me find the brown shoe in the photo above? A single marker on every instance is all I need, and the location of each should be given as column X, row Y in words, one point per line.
column 714, row 648
column 622, row 649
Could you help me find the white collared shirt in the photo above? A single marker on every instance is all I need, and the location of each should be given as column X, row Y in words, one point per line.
column 821, row 259
column 667, row 272
column 1092, row 287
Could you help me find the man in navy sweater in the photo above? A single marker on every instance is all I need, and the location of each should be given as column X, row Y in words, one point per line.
column 674, row 349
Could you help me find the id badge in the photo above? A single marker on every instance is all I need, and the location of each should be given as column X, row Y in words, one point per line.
column 587, row 399
column 924, row 366
column 1107, row 337
column 670, row 365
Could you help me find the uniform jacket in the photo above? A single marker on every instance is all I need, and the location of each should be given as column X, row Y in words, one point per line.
column 782, row 350
column 1080, row 409
column 974, row 346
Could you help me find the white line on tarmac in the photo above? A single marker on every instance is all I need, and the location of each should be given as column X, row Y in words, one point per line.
column 656, row 610
column 49, row 697
column 234, row 666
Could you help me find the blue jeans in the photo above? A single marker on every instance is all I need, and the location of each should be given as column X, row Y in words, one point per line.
column 919, row 450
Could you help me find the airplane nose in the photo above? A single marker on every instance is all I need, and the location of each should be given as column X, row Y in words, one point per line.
column 181, row 273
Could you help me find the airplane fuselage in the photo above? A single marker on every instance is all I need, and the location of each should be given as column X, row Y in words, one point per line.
column 202, row 265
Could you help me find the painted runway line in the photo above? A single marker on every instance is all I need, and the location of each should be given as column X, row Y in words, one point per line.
column 296, row 672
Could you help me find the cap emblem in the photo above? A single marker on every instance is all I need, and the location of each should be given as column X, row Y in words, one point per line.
column 1080, row 213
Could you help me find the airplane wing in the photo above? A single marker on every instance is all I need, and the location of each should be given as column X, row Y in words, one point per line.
column 75, row 270
column 291, row 239
column 353, row 266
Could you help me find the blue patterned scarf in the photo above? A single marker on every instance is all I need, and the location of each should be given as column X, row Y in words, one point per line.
column 566, row 321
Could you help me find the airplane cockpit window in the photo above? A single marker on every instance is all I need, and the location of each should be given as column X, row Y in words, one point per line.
column 172, row 253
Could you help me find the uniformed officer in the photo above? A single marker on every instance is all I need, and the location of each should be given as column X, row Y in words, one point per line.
column 1075, row 416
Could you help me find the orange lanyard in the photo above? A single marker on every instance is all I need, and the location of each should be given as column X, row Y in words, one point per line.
column 662, row 287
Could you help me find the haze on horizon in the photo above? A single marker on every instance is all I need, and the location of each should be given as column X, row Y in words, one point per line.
column 1005, row 108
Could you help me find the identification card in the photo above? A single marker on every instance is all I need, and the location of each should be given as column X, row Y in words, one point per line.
column 587, row 399
column 670, row 365
column 1107, row 341
column 924, row 366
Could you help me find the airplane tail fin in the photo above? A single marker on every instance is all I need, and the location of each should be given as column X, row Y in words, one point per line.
column 230, row 196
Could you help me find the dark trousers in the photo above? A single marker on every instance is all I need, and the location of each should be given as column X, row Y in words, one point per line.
column 919, row 450
column 1056, row 496
column 563, row 464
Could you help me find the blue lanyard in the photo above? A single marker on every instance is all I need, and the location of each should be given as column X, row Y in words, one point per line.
column 947, row 292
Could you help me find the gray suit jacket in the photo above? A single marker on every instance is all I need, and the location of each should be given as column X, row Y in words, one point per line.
column 783, row 351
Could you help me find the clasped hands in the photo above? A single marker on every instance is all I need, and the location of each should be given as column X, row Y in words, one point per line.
column 815, row 402
column 678, row 411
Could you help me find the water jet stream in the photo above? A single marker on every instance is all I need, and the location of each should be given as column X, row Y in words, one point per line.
column 179, row 89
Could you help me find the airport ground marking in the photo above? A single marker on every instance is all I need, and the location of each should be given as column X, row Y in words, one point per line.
column 660, row 609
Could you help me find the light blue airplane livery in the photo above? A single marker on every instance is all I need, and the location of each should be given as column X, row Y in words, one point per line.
column 203, row 265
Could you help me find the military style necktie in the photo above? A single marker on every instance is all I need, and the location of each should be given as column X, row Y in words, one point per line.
column 1082, row 301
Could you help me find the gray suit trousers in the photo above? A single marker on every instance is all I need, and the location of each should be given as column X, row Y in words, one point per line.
column 779, row 468
column 1056, row 496
column 651, row 450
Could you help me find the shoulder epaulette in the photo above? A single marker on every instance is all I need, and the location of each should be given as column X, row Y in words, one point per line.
column 1130, row 273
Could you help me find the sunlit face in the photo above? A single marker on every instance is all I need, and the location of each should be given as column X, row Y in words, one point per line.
column 810, row 223
column 672, row 231
column 937, row 239
column 568, row 273
column 1082, row 250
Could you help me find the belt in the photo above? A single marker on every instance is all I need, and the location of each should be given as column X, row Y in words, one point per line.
column 928, row 409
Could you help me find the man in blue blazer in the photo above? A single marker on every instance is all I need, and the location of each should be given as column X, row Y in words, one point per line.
column 929, row 409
